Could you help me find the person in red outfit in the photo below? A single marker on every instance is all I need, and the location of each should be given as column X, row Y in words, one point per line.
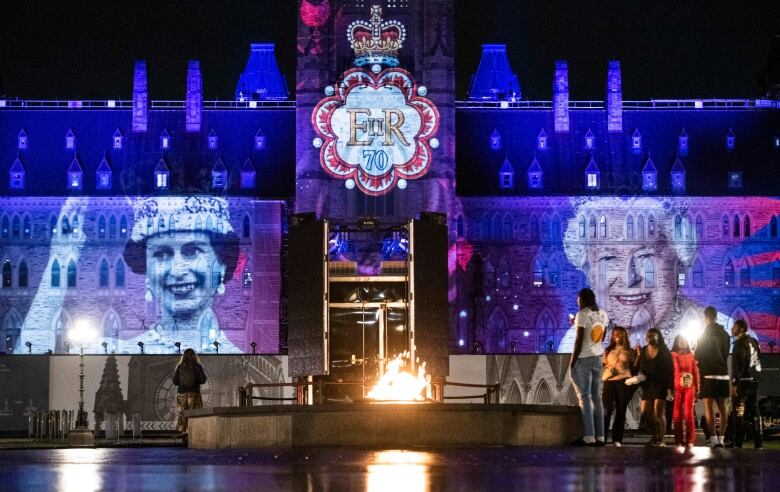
column 686, row 386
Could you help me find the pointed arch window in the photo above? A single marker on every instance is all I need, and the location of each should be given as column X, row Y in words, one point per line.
column 698, row 274
column 7, row 275
column 545, row 229
column 123, row 227
column 630, row 227
column 699, row 228
column 12, row 330
column 725, row 227
column 6, row 228
column 538, row 273
column 555, row 232
column 554, row 274
column 209, row 331
column 16, row 228
column 728, row 274
column 65, row 226
column 75, row 225
column 504, row 273
column 534, row 227
column 53, row 226
column 582, row 227
column 27, row 229
column 745, row 278
column 103, row 274
column 21, row 140
column 495, row 140
column 171, row 225
column 102, row 227
column 119, row 274
column 497, row 330
column 677, row 227
column 72, row 273
column 112, row 227
column 735, row 229
column 640, row 227
column 651, row 226
column 23, row 274
column 592, row 227
column 55, row 273
column 746, row 226
column 649, row 274
column 603, row 226
column 111, row 327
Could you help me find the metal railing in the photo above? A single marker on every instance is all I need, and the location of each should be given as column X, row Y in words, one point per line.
column 109, row 104
column 246, row 396
column 652, row 104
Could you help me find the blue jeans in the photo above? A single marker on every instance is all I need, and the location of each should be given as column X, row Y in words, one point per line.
column 586, row 378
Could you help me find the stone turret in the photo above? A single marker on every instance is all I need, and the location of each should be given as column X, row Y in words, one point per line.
column 140, row 98
column 561, row 96
column 494, row 79
column 261, row 79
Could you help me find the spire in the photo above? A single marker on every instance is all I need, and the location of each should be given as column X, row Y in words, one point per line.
column 140, row 98
column 494, row 79
column 261, row 78
column 194, row 96
column 561, row 96
column 614, row 98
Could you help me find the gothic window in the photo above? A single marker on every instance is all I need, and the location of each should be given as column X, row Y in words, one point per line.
column 119, row 274
column 112, row 227
column 102, row 227
column 554, row 274
column 538, row 273
column 12, row 329
column 75, row 225
column 545, row 229
column 55, row 273
column 209, row 331
column 248, row 175
column 541, row 140
column 744, row 274
column 589, row 139
column 686, row 227
column 246, row 228
column 160, row 225
column 209, row 224
column 746, row 227
column 728, row 274
column 534, row 227
column 603, row 226
column 53, row 226
column 72, row 273
column 725, row 227
column 592, row 227
column 735, row 229
column 640, row 227
column 497, row 329
column 23, row 274
column 630, row 228
column 6, row 228
column 582, row 227
column 149, row 227
column 21, row 140
column 123, row 227
column 507, row 227
column 171, row 225
column 495, row 140
column 698, row 274
column 27, row 230
column 65, row 226
column 165, row 141
column 260, row 141
column 699, row 228
column 682, row 143
column 677, row 227
column 118, row 140
column 555, row 233
column 636, row 141
column 212, row 140
column 16, row 228
column 649, row 274
column 103, row 275
column 651, row 226
column 504, row 273
column 7, row 275
column 111, row 327
column 70, row 140
column 198, row 223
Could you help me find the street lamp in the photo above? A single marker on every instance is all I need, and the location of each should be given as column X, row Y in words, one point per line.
column 178, row 347
column 81, row 334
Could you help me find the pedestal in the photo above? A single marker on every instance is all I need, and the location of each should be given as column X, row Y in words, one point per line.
column 81, row 438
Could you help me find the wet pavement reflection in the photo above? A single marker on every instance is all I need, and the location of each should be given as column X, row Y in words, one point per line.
column 339, row 469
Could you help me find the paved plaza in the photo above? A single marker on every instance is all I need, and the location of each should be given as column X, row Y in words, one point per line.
column 340, row 469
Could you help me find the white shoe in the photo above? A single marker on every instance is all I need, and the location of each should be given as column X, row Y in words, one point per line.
column 617, row 444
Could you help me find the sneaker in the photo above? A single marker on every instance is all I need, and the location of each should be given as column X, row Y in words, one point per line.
column 617, row 444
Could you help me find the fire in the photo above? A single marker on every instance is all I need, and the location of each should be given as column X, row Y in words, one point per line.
column 400, row 385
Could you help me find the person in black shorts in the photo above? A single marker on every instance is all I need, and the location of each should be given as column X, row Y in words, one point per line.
column 656, row 375
column 712, row 351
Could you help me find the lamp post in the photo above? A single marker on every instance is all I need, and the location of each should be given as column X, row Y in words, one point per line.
column 81, row 436
column 178, row 347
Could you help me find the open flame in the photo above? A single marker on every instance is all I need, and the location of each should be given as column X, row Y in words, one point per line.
column 398, row 384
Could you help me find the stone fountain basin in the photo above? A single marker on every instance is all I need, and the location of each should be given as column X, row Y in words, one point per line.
column 383, row 425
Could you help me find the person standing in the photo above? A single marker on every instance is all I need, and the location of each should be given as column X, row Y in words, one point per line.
column 686, row 386
column 745, row 377
column 188, row 376
column 585, row 366
column 712, row 351
column 619, row 361
column 656, row 372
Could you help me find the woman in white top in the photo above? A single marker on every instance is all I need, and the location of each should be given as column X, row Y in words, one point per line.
column 586, row 367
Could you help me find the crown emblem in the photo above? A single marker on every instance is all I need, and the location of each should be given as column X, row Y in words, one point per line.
column 376, row 41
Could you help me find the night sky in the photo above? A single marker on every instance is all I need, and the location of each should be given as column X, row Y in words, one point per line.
column 681, row 48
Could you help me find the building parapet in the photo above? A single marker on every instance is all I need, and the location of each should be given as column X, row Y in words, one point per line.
column 706, row 104
column 110, row 104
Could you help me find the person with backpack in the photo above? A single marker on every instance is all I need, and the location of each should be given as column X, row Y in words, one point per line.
column 188, row 376
column 745, row 376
